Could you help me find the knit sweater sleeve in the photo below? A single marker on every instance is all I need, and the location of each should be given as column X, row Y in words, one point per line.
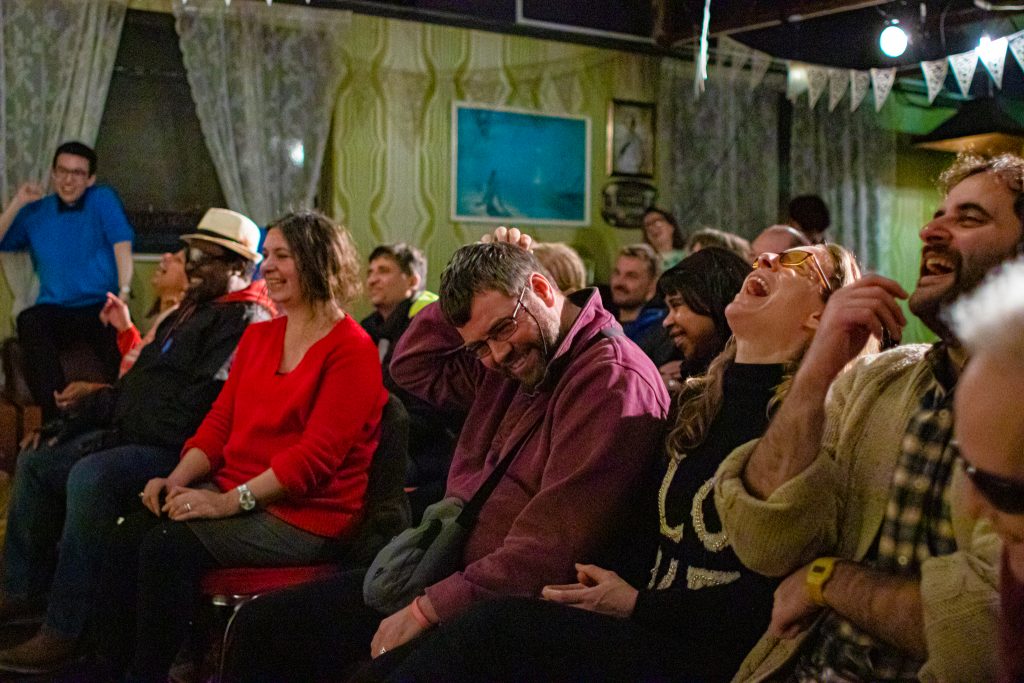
column 798, row 520
column 429, row 363
column 346, row 411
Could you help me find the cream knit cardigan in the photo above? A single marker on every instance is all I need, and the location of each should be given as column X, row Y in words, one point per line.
column 836, row 506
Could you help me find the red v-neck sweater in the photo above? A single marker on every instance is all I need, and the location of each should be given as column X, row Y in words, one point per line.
column 316, row 426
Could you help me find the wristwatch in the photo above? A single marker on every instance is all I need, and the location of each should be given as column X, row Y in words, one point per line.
column 246, row 500
column 818, row 575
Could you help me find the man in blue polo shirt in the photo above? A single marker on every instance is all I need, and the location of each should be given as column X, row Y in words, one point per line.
column 81, row 247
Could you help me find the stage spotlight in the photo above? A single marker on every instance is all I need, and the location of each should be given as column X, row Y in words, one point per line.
column 893, row 40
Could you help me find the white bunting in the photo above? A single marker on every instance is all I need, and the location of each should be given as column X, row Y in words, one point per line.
column 817, row 79
column 1017, row 48
column 759, row 65
column 964, row 65
column 993, row 56
column 935, row 76
column 859, row 82
column 737, row 53
column 882, row 79
column 837, row 84
column 796, row 80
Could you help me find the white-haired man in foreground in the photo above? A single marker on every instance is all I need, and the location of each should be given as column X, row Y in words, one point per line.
column 991, row 434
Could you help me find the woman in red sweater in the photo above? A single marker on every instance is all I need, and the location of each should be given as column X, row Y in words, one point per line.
column 276, row 475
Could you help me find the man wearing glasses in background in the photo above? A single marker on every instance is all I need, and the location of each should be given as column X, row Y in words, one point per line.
column 851, row 491
column 548, row 378
column 991, row 434
column 81, row 247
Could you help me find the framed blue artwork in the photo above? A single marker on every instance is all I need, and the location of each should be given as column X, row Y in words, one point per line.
column 519, row 166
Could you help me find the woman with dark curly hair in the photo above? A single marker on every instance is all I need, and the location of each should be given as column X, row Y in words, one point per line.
column 276, row 475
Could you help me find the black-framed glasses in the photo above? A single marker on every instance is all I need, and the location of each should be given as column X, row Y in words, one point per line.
column 500, row 331
column 796, row 259
column 1003, row 493
column 76, row 173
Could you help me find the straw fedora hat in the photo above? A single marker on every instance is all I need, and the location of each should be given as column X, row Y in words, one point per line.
column 230, row 230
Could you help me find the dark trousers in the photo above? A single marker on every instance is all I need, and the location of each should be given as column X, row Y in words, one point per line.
column 520, row 639
column 319, row 631
column 46, row 332
column 149, row 595
column 66, row 493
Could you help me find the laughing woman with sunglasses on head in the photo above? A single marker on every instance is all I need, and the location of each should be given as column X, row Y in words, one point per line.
column 276, row 475
column 700, row 610
column 990, row 432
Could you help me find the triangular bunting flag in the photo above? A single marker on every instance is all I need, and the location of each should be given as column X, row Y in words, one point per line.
column 935, row 76
column 796, row 80
column 859, row 82
column 837, row 83
column 1017, row 48
column 737, row 53
column 882, row 80
column 817, row 79
column 964, row 65
column 993, row 56
column 759, row 65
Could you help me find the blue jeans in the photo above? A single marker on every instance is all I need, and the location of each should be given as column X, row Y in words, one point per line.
column 65, row 494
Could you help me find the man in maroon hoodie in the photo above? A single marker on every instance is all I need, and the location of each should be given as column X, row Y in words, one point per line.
column 86, row 469
column 549, row 378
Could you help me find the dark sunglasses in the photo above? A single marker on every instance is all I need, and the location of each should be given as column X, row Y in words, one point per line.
column 797, row 259
column 1002, row 493
column 197, row 257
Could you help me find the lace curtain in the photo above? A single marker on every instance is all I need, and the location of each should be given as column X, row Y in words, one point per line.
column 58, row 56
column 720, row 166
column 264, row 80
column 850, row 161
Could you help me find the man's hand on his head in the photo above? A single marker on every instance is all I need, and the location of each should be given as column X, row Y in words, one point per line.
column 509, row 236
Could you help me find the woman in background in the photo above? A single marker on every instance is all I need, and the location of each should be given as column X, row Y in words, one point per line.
column 662, row 231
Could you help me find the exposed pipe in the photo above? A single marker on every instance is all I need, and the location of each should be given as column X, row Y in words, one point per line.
column 989, row 7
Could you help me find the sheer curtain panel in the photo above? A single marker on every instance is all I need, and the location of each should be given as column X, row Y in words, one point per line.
column 264, row 81
column 58, row 56
column 720, row 165
column 850, row 160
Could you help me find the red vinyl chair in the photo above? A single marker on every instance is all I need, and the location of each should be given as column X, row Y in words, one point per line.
column 387, row 513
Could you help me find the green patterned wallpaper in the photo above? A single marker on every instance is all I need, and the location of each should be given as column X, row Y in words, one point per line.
column 391, row 153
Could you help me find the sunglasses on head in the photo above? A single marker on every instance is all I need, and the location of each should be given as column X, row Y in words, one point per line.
column 797, row 260
column 1002, row 493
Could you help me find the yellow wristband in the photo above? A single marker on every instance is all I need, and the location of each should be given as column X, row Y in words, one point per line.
column 818, row 575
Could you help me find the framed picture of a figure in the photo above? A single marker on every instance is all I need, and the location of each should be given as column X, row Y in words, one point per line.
column 631, row 139
column 519, row 166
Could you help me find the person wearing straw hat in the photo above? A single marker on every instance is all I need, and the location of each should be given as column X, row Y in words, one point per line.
column 73, row 482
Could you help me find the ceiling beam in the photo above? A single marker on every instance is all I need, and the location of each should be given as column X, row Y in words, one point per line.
column 678, row 21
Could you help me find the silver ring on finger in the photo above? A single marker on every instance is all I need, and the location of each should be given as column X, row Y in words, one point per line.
column 188, row 507
column 382, row 651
